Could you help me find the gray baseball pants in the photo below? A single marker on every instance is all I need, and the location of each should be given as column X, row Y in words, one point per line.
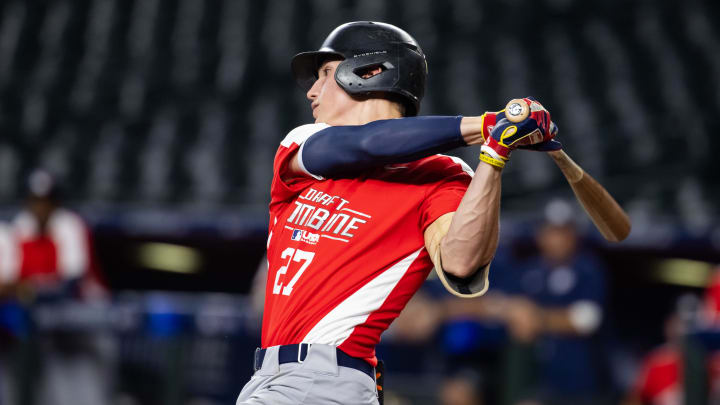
column 318, row 380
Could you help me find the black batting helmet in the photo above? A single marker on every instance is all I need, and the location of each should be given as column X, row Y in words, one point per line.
column 363, row 46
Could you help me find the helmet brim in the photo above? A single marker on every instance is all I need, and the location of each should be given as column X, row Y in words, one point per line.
column 305, row 66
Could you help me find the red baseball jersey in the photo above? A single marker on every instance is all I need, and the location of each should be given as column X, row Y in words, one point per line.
column 711, row 311
column 346, row 255
column 62, row 252
column 660, row 381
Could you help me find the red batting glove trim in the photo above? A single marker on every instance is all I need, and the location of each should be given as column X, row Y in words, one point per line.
column 502, row 151
column 489, row 119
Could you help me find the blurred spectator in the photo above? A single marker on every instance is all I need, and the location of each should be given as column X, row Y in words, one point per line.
column 419, row 320
column 46, row 259
column 710, row 317
column 711, row 307
column 556, row 302
column 662, row 375
column 660, row 379
column 53, row 247
column 462, row 388
column 549, row 306
column 8, row 256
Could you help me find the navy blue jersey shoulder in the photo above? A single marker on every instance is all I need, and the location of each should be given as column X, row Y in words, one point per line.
column 342, row 151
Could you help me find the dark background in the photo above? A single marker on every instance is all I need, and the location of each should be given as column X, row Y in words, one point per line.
column 160, row 118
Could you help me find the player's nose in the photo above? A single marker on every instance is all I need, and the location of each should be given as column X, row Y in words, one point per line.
column 312, row 94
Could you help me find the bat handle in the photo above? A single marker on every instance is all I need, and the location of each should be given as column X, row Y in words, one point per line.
column 572, row 171
column 517, row 110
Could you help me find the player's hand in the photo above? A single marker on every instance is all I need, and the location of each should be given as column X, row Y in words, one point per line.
column 548, row 145
column 489, row 120
column 549, row 142
column 535, row 132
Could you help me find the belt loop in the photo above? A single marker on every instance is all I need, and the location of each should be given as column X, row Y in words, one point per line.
column 256, row 363
column 300, row 357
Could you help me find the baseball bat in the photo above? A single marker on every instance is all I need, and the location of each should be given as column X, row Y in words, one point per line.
column 607, row 215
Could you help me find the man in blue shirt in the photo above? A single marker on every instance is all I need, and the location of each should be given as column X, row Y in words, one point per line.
column 549, row 306
column 555, row 300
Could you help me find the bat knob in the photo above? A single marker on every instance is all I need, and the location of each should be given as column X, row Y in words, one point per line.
column 517, row 110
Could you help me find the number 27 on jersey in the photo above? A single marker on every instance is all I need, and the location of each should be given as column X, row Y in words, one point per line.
column 293, row 255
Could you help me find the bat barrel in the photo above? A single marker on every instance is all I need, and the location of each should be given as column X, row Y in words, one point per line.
column 607, row 215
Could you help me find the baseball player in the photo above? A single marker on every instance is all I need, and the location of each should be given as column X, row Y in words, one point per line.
column 363, row 206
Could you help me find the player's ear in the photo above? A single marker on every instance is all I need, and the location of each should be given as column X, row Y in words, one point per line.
column 370, row 71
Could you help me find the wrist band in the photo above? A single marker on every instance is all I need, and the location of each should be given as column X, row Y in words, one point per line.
column 491, row 160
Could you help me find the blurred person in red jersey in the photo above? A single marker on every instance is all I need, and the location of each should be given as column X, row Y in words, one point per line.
column 660, row 379
column 710, row 319
column 48, row 272
column 662, row 375
column 53, row 256
column 711, row 304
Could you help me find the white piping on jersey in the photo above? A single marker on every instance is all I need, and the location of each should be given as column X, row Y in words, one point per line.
column 290, row 228
column 355, row 212
column 267, row 246
column 338, row 324
column 334, row 238
column 462, row 164
column 298, row 136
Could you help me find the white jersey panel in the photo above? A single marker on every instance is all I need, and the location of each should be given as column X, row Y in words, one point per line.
column 9, row 265
column 69, row 234
column 339, row 323
column 465, row 167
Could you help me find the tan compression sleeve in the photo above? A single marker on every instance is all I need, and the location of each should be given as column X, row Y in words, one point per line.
column 470, row 287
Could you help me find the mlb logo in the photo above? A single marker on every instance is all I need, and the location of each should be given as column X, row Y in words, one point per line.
column 309, row 237
column 296, row 235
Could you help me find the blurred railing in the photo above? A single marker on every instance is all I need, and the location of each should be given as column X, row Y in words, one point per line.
column 159, row 348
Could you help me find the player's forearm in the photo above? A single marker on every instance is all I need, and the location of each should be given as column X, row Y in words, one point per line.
column 557, row 321
column 489, row 307
column 472, row 237
column 582, row 317
column 471, row 129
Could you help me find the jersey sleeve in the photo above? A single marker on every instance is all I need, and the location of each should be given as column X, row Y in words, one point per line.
column 281, row 189
column 446, row 195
